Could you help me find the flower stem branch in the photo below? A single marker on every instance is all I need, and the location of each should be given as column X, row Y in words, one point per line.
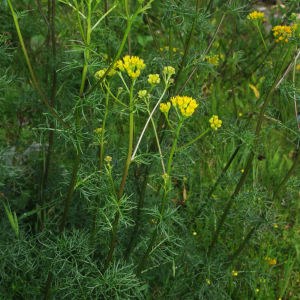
column 121, row 191
column 194, row 140
column 166, row 189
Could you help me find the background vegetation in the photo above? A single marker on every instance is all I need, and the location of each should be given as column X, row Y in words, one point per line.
column 222, row 224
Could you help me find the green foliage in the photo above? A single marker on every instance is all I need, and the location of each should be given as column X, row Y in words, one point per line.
column 85, row 218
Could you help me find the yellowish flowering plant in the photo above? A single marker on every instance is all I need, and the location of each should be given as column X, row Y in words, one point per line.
column 99, row 74
column 98, row 130
column 215, row 123
column 213, row 60
column 255, row 16
column 187, row 105
column 132, row 65
column 283, row 33
column 165, row 107
column 142, row 93
column 153, row 79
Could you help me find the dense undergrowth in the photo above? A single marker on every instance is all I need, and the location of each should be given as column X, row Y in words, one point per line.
column 149, row 150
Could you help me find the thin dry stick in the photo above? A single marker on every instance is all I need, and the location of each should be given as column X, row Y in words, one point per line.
column 39, row 4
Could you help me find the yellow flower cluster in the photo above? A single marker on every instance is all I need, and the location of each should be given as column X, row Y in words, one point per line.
column 215, row 122
column 98, row 130
column 142, row 93
column 256, row 16
column 153, row 79
column 165, row 107
column 99, row 74
column 282, row 33
column 234, row 273
column 271, row 261
column 169, row 70
column 187, row 105
column 132, row 65
column 208, row 281
column 213, row 60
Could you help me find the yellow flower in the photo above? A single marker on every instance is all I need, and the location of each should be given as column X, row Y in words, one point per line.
column 234, row 273
column 213, row 60
column 108, row 159
column 187, row 105
column 132, row 65
column 273, row 262
column 169, row 70
column 208, row 281
column 242, row 171
column 257, row 290
column 275, row 225
column 194, row 233
column 153, row 79
column 98, row 130
column 215, row 122
column 165, row 107
column 240, row 114
column 142, row 93
column 282, row 33
column 256, row 16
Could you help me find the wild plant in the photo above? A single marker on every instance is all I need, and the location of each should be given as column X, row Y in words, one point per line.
column 143, row 187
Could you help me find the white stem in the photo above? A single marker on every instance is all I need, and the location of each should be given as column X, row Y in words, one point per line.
column 135, row 150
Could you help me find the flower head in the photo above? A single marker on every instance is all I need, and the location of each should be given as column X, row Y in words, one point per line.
column 153, row 79
column 98, row 130
column 132, row 65
column 142, row 93
column 187, row 105
column 208, row 281
column 234, row 273
column 283, row 33
column 99, row 74
column 215, row 122
column 194, row 233
column 165, row 107
column 213, row 60
column 108, row 159
column 169, row 70
column 256, row 16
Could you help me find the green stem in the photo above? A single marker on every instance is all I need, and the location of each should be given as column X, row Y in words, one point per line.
column 121, row 191
column 194, row 140
column 30, row 68
column 251, row 156
column 262, row 39
column 167, row 180
column 108, row 90
column 100, row 166
column 133, row 238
